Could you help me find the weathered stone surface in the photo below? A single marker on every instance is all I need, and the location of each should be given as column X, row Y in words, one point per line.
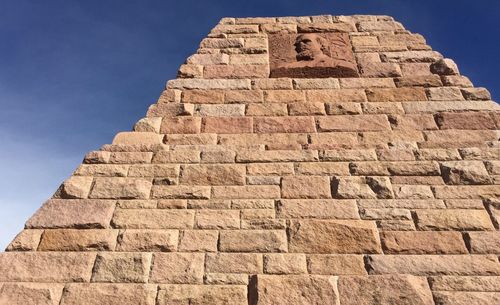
column 227, row 125
column 394, row 242
column 57, row 213
column 465, row 172
column 218, row 219
column 147, row 240
column 250, row 263
column 198, row 241
column 333, row 264
column 177, row 268
column 391, row 289
column 317, row 208
column 444, row 66
column 484, row 242
column 46, row 267
column 26, row 240
column 284, row 124
column 253, row 241
column 133, row 138
column 333, row 236
column 202, row 295
column 305, row 187
column 78, row 240
column 434, row 264
column 293, row 290
column 464, row 298
column 285, row 263
column 466, row 192
column 109, row 294
column 30, row 293
column 75, row 187
column 122, row 267
column 121, row 188
column 153, row 219
column 465, row 283
column 180, row 192
column 213, row 175
column 246, row 192
column 276, row 156
column 459, row 219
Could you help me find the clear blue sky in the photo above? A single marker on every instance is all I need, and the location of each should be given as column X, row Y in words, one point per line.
column 74, row 73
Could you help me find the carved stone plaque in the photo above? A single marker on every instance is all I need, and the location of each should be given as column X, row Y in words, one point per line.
column 311, row 55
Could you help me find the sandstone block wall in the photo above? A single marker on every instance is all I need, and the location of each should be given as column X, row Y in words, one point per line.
column 241, row 189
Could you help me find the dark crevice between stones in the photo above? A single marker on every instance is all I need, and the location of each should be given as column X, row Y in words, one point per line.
column 252, row 293
column 367, row 262
column 466, row 238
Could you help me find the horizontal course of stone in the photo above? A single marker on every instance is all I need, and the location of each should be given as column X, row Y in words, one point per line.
column 241, row 189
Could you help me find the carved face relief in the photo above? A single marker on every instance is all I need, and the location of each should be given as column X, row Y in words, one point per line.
column 311, row 55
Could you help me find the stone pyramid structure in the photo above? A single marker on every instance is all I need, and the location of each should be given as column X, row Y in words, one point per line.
column 333, row 160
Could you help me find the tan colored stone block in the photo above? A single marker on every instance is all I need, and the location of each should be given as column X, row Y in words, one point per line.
column 250, row 140
column 78, row 240
column 181, row 125
column 109, row 294
column 276, row 156
column 180, row 192
column 170, row 109
column 306, row 187
column 336, row 264
column 465, row 172
column 148, row 240
column 284, row 96
column 284, row 124
column 191, row 139
column 153, row 219
column 30, row 293
column 246, row 192
column 293, row 290
column 418, row 81
column 380, row 69
column 177, row 268
column 76, row 213
column 198, row 241
column 423, row 243
column 317, row 208
column 466, row 192
column 122, row 267
column 218, row 219
column 285, row 263
column 396, row 95
column 226, row 279
column 26, row 240
column 354, row 123
column 227, row 125
column 453, row 220
column 210, row 84
column 267, row 109
column 465, row 120
column 244, row 96
column 75, row 187
column 218, row 156
column 426, row 265
column 121, row 188
column 333, row 236
column 102, row 170
column 130, row 157
column 316, row 83
column 272, row 83
column 222, row 43
column 202, row 295
column 94, row 157
column 444, row 94
column 203, row 96
column 476, row 94
column 309, row 108
column 411, row 56
column 484, row 242
column 190, row 71
column 46, row 266
column 465, row 283
column 382, row 108
column 437, row 154
column 326, row 27
column 135, row 138
column 250, row 263
column 335, row 96
column 349, row 155
column 189, row 156
column 393, row 289
column 465, row 297
column 274, row 169
column 253, row 241
column 221, row 110
column 213, row 174
column 137, row 204
column 236, row 71
column 154, row 170
column 413, row 192
column 343, row 108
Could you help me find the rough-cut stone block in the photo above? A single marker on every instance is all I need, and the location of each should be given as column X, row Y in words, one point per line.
column 190, row 156
column 444, row 94
column 30, row 293
column 391, row 289
column 465, row 172
column 266, row 109
column 466, row 191
column 333, row 264
column 284, row 124
column 476, row 94
column 198, row 241
column 46, row 266
column 285, row 263
column 253, row 241
column 133, row 138
column 202, row 295
column 333, row 236
column 336, row 96
column 78, row 240
column 354, row 123
column 225, row 279
column 453, row 220
column 293, row 290
column 122, row 267
column 102, row 170
column 153, row 219
column 309, row 108
column 276, row 156
column 218, row 156
column 396, row 95
column 426, row 265
column 318, row 208
column 75, row 187
column 251, row 140
column 323, row 168
column 394, row 242
column 130, row 157
column 109, row 294
column 204, row 84
column 274, row 169
column 227, row 125
column 413, row 192
column 148, row 241
column 465, row 298
column 305, row 187
column 250, row 263
column 444, row 66
column 181, row 125
column 465, row 120
column 484, row 242
column 83, row 213
column 180, row 192
column 236, row 71
column 213, row 175
column 121, row 188
column 177, row 268
column 418, row 81
column 218, row 219
column 465, row 283
column 246, row 192
column 26, row 240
